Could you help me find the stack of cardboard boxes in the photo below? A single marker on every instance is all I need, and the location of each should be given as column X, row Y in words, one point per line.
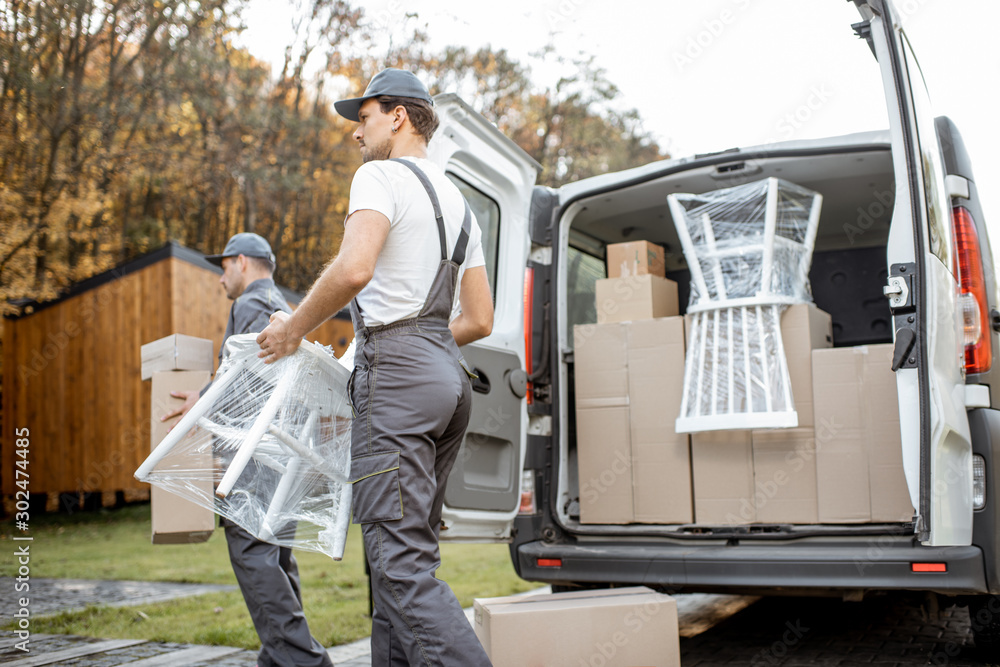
column 842, row 464
column 629, row 376
column 176, row 363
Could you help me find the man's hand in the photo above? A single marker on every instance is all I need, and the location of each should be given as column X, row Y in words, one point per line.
column 276, row 340
column 190, row 398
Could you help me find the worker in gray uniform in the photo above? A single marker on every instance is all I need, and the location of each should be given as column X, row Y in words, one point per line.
column 411, row 266
column 267, row 574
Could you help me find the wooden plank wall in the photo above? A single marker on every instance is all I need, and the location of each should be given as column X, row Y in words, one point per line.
column 68, row 377
column 72, row 373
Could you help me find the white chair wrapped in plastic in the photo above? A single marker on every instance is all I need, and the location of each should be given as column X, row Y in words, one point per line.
column 280, row 437
column 749, row 249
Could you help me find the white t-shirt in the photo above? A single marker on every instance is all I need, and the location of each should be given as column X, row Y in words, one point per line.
column 411, row 255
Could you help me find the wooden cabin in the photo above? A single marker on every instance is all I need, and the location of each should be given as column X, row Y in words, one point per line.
column 71, row 373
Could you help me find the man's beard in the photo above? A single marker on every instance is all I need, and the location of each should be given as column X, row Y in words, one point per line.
column 379, row 151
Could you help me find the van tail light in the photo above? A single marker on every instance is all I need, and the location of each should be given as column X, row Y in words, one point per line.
column 972, row 293
column 529, row 302
column 528, row 504
column 978, row 482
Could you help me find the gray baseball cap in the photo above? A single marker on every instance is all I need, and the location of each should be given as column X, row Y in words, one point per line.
column 395, row 82
column 246, row 243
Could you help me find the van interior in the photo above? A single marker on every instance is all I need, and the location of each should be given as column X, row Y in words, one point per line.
column 848, row 271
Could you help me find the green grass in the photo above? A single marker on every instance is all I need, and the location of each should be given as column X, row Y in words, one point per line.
column 115, row 545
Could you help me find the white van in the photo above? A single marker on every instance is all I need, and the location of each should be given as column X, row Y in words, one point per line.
column 516, row 481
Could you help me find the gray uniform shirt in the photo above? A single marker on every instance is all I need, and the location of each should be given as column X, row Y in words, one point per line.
column 252, row 310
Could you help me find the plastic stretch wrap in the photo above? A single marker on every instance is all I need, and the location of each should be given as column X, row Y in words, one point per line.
column 749, row 249
column 751, row 241
column 274, row 439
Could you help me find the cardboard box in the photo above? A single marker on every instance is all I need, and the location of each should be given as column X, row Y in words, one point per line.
column 635, row 298
column 635, row 258
column 177, row 352
column 632, row 466
column 176, row 520
column 661, row 458
column 722, row 468
column 859, row 461
column 620, row 626
column 804, row 327
column 784, row 469
column 890, row 495
column 604, row 452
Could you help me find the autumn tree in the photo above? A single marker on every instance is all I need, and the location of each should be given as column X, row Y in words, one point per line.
column 125, row 124
column 79, row 91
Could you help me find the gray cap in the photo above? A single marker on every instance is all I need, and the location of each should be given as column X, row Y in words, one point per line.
column 395, row 82
column 248, row 244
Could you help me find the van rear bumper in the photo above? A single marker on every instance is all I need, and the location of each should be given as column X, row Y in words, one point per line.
column 875, row 563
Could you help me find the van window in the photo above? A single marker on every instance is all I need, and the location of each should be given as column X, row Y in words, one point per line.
column 582, row 272
column 938, row 212
column 487, row 213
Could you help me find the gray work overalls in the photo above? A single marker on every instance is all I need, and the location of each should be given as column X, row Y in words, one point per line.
column 412, row 397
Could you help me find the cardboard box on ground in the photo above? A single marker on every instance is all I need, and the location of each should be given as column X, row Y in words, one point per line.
column 176, row 520
column 620, row 626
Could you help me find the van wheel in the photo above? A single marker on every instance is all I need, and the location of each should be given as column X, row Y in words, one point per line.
column 984, row 617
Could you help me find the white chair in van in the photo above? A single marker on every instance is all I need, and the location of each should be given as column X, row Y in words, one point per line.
column 749, row 249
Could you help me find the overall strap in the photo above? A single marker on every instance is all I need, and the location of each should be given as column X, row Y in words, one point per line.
column 438, row 217
column 463, row 239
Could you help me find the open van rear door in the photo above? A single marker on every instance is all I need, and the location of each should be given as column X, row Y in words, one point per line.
column 497, row 179
column 923, row 296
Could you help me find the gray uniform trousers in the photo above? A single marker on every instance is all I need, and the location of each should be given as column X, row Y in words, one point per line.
column 412, row 398
column 269, row 580
column 268, row 574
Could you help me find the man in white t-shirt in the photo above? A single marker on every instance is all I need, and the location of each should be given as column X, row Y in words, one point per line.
column 411, row 266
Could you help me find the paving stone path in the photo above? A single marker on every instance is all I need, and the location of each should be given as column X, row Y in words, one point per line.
column 49, row 596
column 888, row 631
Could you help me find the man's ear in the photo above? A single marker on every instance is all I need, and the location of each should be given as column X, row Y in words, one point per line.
column 399, row 115
column 244, row 263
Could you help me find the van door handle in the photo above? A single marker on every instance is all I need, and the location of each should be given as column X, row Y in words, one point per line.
column 905, row 339
column 480, row 384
